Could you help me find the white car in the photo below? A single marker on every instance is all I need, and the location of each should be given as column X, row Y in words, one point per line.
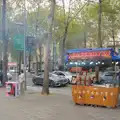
column 67, row 75
column 9, row 76
column 12, row 71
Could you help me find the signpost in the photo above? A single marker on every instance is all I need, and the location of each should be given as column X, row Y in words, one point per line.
column 30, row 43
column 19, row 42
column 29, row 47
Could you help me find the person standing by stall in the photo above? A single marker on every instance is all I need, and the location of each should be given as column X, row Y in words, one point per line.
column 22, row 81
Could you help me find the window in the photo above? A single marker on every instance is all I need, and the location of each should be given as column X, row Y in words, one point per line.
column 61, row 74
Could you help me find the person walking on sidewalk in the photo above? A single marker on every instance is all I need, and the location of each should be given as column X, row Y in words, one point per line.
column 22, row 82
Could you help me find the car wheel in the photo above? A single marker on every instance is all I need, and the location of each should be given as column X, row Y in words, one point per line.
column 52, row 84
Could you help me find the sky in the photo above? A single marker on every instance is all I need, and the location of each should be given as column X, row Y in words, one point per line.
column 59, row 2
column 67, row 2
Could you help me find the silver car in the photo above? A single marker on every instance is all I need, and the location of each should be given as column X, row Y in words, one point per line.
column 67, row 75
column 110, row 77
column 54, row 80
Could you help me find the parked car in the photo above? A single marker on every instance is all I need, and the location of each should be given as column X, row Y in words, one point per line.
column 12, row 71
column 67, row 75
column 109, row 77
column 32, row 71
column 9, row 76
column 54, row 80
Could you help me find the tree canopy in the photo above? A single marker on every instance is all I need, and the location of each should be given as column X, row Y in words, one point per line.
column 80, row 17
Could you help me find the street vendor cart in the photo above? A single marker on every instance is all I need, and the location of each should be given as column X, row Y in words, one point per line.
column 88, row 88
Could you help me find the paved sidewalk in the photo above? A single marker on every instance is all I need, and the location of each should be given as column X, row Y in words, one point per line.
column 34, row 106
column 62, row 90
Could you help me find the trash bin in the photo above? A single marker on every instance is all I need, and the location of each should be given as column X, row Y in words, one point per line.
column 12, row 89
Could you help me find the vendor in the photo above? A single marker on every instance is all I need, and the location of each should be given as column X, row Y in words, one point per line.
column 22, row 82
column 78, row 79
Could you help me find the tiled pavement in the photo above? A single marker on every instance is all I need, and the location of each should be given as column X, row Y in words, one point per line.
column 34, row 106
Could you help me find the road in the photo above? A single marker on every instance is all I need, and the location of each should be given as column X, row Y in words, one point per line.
column 30, row 86
column 28, row 78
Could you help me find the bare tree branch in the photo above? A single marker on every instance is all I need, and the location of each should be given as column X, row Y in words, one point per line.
column 63, row 2
column 78, row 12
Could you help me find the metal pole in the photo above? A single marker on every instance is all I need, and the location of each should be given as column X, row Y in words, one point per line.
column 25, row 29
column 20, row 56
column 29, row 66
column 5, row 41
column 76, row 68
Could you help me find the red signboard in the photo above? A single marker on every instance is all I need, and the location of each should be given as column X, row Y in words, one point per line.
column 12, row 64
column 88, row 55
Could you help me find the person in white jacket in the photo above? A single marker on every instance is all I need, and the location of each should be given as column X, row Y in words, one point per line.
column 22, row 81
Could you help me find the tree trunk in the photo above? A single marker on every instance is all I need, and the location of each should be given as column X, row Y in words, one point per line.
column 85, row 34
column 97, row 73
column 67, row 22
column 113, row 35
column 45, row 89
column 99, row 34
column 99, row 25
column 29, row 66
column 85, row 39
column 63, row 45
column 36, row 66
column 53, row 56
column 40, row 49
column 5, row 43
column 114, row 45
column 36, row 30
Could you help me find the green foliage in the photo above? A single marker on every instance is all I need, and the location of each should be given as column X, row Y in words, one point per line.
column 85, row 22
